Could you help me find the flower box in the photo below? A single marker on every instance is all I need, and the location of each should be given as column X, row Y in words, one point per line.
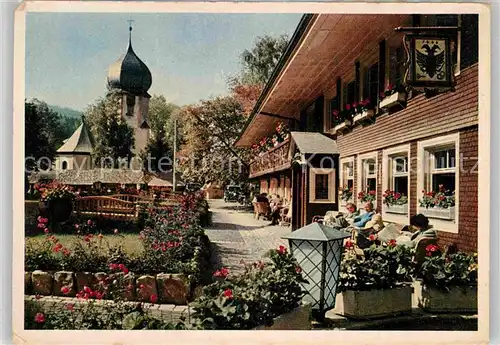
column 396, row 98
column 297, row 319
column 365, row 115
column 373, row 303
column 460, row 299
column 440, row 212
column 399, row 209
column 343, row 126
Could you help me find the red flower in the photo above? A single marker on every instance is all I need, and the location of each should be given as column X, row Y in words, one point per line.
column 89, row 222
column 392, row 243
column 382, row 95
column 348, row 107
column 65, row 290
column 57, row 248
column 431, row 248
column 153, row 298
column 228, row 293
column 282, row 250
column 141, row 286
column 372, row 237
column 349, row 244
column 372, row 192
column 355, row 104
column 86, row 289
column 224, row 272
column 46, row 230
column 39, row 318
column 298, row 269
column 113, row 267
column 70, row 306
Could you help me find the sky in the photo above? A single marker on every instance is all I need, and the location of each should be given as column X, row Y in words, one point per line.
column 189, row 55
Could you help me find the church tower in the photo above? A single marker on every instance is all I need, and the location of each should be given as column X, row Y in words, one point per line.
column 131, row 79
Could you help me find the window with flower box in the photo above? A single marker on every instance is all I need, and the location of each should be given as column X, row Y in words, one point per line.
column 395, row 184
column 367, row 178
column 370, row 83
column 438, row 180
column 346, row 180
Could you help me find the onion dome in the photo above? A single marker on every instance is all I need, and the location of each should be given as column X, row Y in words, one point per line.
column 129, row 73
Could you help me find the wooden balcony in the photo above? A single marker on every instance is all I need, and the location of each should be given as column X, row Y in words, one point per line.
column 271, row 161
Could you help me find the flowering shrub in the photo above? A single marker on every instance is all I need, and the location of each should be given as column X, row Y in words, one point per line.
column 391, row 197
column 262, row 292
column 381, row 267
column 367, row 197
column 55, row 191
column 443, row 198
column 389, row 90
column 280, row 135
column 443, row 271
column 346, row 193
column 362, row 106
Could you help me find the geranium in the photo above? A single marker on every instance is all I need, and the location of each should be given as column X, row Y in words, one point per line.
column 391, row 197
column 349, row 244
column 228, row 293
column 431, row 249
column 282, row 250
column 367, row 197
column 392, row 243
column 224, row 272
column 65, row 290
column 153, row 298
column 70, row 306
column 443, row 198
column 372, row 237
column 56, row 191
column 39, row 318
column 346, row 193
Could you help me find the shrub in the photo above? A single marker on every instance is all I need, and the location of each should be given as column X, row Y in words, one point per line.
column 262, row 292
column 381, row 267
column 443, row 271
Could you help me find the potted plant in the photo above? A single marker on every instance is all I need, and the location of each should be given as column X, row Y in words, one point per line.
column 342, row 119
column 392, row 96
column 364, row 110
column 56, row 201
column 438, row 205
column 346, row 194
column 367, row 196
column 395, row 202
column 376, row 282
column 448, row 281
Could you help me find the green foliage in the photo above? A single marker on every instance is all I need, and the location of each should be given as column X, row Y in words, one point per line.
column 260, row 61
column 443, row 271
column 262, row 292
column 113, row 137
column 381, row 267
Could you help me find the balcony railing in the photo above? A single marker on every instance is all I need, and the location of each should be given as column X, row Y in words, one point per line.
column 271, row 161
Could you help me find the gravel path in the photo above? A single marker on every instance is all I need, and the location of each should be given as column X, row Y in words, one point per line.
column 237, row 235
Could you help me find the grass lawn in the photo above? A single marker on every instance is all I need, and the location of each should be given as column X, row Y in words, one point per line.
column 131, row 243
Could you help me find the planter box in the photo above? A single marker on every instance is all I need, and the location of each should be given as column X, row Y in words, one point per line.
column 395, row 99
column 457, row 300
column 343, row 126
column 365, row 115
column 441, row 213
column 399, row 209
column 373, row 304
column 297, row 319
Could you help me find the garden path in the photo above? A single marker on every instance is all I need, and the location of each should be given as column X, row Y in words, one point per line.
column 237, row 235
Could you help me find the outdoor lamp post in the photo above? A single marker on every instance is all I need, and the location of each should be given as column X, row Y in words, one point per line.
column 318, row 250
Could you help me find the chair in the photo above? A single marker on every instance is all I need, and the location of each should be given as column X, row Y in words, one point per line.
column 261, row 208
column 286, row 216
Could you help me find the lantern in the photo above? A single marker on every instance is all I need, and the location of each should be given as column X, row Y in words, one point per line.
column 318, row 251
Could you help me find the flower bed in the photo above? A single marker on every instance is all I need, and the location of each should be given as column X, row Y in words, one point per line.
column 262, row 293
column 266, row 296
column 173, row 241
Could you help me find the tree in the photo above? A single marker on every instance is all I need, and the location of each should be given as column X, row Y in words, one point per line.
column 114, row 139
column 210, row 129
column 257, row 66
column 260, row 61
column 43, row 134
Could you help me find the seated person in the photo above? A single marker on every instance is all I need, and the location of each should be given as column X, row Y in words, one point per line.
column 360, row 221
column 260, row 198
column 419, row 228
column 341, row 220
column 371, row 227
column 275, row 205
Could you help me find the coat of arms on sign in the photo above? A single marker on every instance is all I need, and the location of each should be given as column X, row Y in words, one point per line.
column 430, row 59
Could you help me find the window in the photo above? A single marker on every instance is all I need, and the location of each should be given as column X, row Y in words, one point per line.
column 130, row 105
column 395, row 173
column 368, row 175
column 396, row 65
column 350, row 93
column 347, row 176
column 64, row 165
column 438, row 172
column 322, row 185
column 370, row 84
